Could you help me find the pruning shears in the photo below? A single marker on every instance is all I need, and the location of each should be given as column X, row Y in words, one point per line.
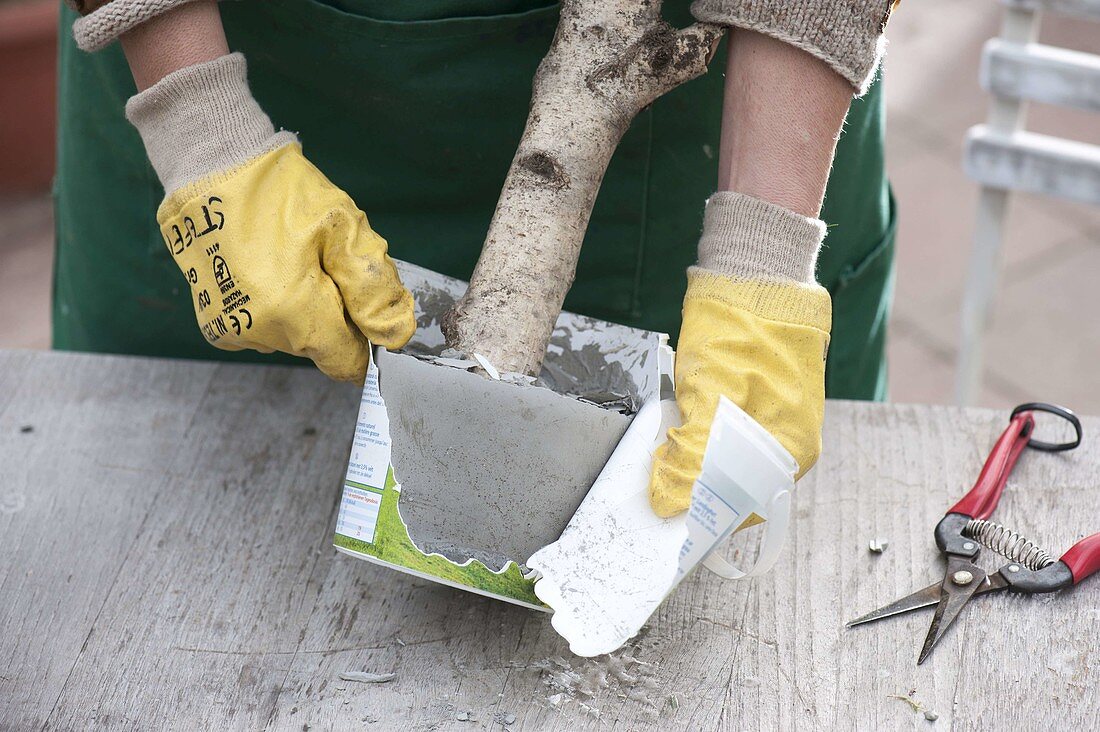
column 966, row 528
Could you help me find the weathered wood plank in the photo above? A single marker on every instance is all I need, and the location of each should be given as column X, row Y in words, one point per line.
column 74, row 493
column 223, row 606
column 1041, row 73
column 227, row 559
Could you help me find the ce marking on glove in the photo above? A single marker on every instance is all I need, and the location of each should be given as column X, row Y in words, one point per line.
column 236, row 322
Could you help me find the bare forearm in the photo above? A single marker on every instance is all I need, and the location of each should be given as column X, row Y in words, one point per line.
column 782, row 114
column 186, row 35
column 194, row 109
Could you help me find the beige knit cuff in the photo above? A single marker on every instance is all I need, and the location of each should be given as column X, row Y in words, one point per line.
column 202, row 120
column 846, row 34
column 101, row 27
column 752, row 239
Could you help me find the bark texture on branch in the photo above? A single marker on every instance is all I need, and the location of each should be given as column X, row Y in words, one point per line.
column 609, row 60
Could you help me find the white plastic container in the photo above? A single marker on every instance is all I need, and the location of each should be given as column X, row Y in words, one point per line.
column 745, row 471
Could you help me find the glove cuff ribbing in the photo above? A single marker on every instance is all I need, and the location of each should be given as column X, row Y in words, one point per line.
column 202, row 120
column 747, row 238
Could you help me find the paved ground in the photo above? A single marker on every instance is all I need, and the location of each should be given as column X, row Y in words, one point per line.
column 1045, row 343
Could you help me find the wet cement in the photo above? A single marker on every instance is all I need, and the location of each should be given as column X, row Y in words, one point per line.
column 587, row 358
column 489, row 469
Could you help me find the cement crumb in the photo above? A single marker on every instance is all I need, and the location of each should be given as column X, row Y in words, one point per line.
column 504, row 718
column 877, row 546
column 583, row 681
column 589, row 710
column 367, row 678
column 464, row 717
column 930, row 715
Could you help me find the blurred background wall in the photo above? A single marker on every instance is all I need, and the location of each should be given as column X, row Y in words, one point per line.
column 1045, row 339
column 28, row 51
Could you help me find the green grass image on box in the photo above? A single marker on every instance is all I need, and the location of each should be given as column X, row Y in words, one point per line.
column 392, row 544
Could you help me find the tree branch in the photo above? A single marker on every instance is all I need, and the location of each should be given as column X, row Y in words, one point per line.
column 608, row 61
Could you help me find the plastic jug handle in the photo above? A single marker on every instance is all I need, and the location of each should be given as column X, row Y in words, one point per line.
column 775, row 533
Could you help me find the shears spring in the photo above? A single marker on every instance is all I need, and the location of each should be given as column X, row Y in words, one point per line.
column 1008, row 543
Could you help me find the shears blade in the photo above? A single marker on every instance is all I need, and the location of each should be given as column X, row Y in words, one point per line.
column 930, row 595
column 962, row 580
column 927, row 597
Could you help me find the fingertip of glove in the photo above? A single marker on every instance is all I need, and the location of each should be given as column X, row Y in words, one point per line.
column 225, row 345
column 396, row 328
column 352, row 376
column 669, row 490
column 350, row 366
column 809, row 461
column 665, row 505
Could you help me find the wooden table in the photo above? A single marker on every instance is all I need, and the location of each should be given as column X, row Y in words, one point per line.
column 165, row 563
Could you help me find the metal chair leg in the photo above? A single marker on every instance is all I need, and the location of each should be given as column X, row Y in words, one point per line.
column 981, row 284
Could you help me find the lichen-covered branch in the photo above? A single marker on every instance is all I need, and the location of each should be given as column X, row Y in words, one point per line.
column 609, row 60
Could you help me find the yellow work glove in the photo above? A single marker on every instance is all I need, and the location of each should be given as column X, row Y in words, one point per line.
column 756, row 330
column 276, row 256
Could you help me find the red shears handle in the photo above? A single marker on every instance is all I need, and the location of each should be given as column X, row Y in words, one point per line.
column 1083, row 558
column 983, row 497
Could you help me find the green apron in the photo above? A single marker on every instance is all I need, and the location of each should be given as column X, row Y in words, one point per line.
column 415, row 109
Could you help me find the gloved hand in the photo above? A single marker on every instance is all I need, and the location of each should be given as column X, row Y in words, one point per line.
column 755, row 329
column 277, row 257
